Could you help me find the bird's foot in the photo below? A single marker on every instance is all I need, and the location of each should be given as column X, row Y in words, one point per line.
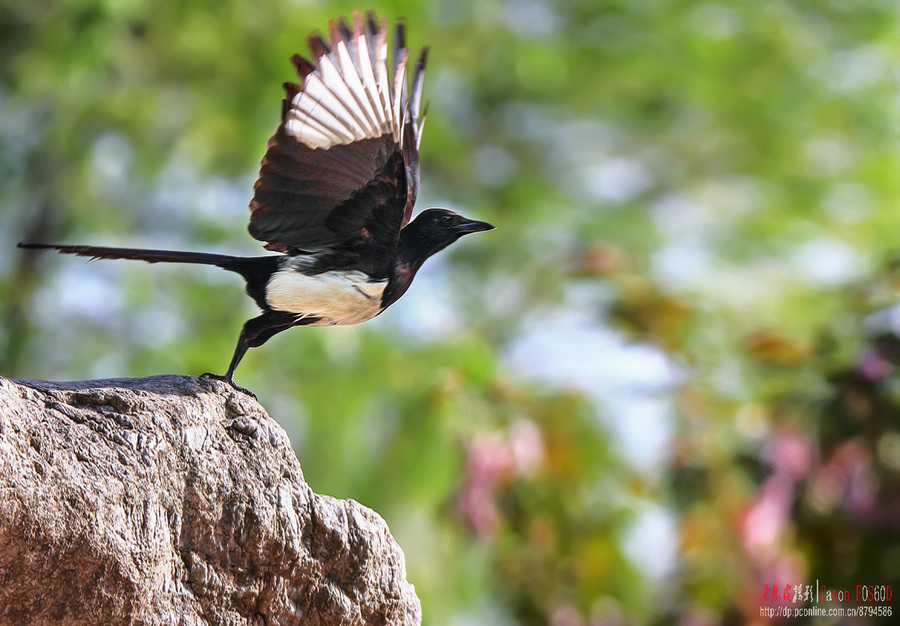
column 230, row 381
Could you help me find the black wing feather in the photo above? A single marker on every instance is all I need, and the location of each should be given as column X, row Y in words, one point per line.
column 355, row 193
column 299, row 188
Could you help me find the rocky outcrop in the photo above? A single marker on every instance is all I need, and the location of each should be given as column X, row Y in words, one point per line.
column 176, row 500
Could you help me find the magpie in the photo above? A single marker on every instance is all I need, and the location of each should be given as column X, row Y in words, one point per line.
column 335, row 191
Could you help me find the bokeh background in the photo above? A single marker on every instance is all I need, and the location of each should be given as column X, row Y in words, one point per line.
column 663, row 386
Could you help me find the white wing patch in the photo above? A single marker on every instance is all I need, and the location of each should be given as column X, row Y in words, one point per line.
column 349, row 95
column 338, row 297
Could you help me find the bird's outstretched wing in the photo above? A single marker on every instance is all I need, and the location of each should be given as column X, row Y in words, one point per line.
column 341, row 171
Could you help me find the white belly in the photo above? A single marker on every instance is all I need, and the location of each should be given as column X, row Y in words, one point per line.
column 340, row 297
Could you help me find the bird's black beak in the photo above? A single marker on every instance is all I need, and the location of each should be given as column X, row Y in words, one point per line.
column 472, row 226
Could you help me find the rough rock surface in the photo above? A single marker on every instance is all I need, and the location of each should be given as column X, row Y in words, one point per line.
column 175, row 500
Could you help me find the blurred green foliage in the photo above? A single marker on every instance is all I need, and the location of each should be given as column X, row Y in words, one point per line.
column 707, row 189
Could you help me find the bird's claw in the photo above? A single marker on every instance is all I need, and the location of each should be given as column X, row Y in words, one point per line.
column 230, row 381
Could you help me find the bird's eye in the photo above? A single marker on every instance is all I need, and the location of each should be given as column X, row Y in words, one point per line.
column 446, row 220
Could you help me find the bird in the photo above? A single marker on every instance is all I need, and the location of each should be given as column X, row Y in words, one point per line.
column 335, row 192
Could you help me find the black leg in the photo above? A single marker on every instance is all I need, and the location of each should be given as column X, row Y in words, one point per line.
column 254, row 333
column 228, row 377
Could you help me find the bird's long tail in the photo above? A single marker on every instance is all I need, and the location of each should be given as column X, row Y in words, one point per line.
column 255, row 270
column 151, row 256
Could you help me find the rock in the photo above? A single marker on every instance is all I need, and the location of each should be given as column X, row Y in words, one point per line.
column 176, row 500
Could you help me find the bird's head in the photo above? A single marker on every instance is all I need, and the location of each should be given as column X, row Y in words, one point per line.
column 433, row 230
